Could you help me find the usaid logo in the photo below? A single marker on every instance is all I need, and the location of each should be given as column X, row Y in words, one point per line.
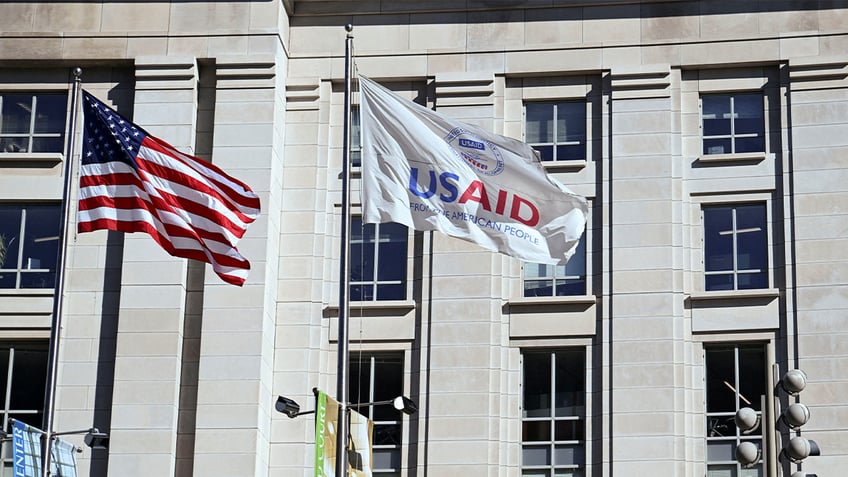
column 482, row 156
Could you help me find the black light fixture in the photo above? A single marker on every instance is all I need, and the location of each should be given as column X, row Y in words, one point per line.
column 96, row 439
column 287, row 406
column 401, row 403
column 405, row 405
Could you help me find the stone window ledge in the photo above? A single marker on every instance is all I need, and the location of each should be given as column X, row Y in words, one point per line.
column 36, row 158
column 742, row 157
column 564, row 165
column 735, row 294
column 554, row 300
column 381, row 307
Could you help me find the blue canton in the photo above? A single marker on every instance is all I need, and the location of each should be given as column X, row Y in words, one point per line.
column 108, row 135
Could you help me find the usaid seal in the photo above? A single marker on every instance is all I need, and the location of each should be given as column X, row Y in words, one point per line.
column 482, row 156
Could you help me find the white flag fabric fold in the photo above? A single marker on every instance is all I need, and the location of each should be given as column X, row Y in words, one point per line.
column 427, row 171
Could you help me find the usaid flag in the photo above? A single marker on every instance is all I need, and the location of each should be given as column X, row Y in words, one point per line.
column 430, row 172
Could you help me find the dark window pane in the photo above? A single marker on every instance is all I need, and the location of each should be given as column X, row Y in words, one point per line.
column 361, row 292
column 575, row 152
column 361, row 262
column 8, row 279
column 386, row 434
column 716, row 115
column 535, row 455
column 535, row 473
column 393, row 250
column 546, row 153
column 536, row 431
column 752, row 377
column 391, row 292
column 10, row 230
column 14, row 144
column 537, row 385
column 360, row 381
column 721, row 426
column 539, row 122
column 748, row 110
column 356, row 158
column 386, row 459
column 41, row 235
column 4, row 371
column 47, row 144
column 571, row 287
column 718, row 238
column 29, row 376
column 17, row 113
column 717, row 146
column 718, row 282
column 721, row 451
column 752, row 281
column 571, row 121
column 749, row 144
column 576, row 265
column 720, row 364
column 388, row 384
column 50, row 113
column 34, row 419
column 716, row 126
column 569, row 430
column 538, row 288
column 568, row 455
column 570, row 377
column 38, row 280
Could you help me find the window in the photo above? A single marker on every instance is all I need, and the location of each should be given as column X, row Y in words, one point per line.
column 553, row 413
column 558, row 280
column 735, row 247
column 377, row 261
column 379, row 377
column 355, row 137
column 29, row 238
column 733, row 123
column 23, row 377
column 557, row 130
column 32, row 122
column 735, row 378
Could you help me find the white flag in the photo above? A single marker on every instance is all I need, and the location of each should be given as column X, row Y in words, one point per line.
column 430, row 172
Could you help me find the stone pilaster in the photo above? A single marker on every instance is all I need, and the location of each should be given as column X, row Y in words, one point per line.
column 148, row 356
column 234, row 398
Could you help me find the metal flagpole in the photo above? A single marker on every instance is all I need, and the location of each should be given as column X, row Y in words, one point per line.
column 344, row 273
column 59, row 289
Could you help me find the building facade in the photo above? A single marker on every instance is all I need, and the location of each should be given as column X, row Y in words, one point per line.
column 709, row 137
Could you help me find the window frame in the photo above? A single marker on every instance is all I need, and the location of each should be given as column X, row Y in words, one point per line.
column 371, row 357
column 30, row 135
column 761, row 434
column 555, row 278
column 583, row 141
column 580, row 448
column 375, row 282
column 733, row 137
column 19, row 268
column 735, row 272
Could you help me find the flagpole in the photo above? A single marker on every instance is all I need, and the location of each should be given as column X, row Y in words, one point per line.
column 59, row 288
column 344, row 273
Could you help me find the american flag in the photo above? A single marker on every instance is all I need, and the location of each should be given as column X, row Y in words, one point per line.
column 131, row 181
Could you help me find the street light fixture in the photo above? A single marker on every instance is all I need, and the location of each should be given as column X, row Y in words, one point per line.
column 291, row 408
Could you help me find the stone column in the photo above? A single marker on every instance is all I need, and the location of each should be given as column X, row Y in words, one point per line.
column 647, row 328
column 234, row 398
column 465, row 329
column 145, row 400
